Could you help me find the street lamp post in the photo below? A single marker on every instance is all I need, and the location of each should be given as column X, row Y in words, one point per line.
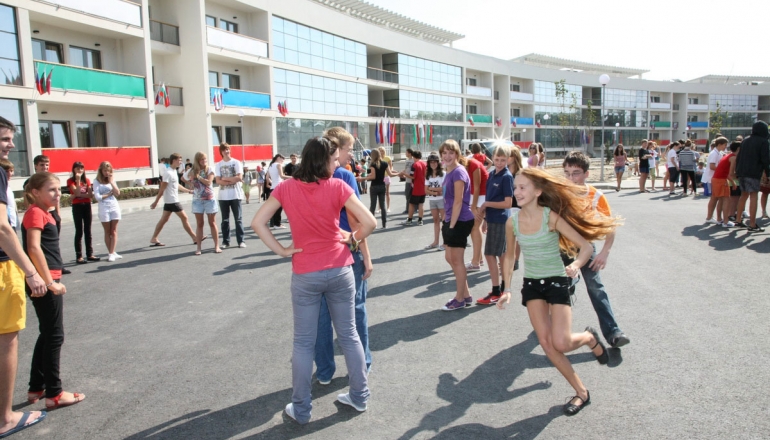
column 603, row 80
column 546, row 117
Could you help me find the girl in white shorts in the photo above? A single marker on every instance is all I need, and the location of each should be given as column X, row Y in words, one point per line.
column 105, row 191
column 434, row 182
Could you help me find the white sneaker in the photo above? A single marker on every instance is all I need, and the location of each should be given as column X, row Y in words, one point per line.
column 117, row 255
column 745, row 214
column 324, row 382
column 711, row 221
column 729, row 224
column 111, row 257
column 290, row 411
column 242, row 245
column 345, row 399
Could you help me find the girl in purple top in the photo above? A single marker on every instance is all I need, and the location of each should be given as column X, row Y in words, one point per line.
column 458, row 220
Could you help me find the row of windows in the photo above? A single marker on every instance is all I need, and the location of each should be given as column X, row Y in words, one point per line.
column 9, row 47
column 223, row 24
column 626, row 98
column 56, row 134
column 78, row 56
column 292, row 133
column 294, row 43
column 418, row 105
column 405, row 138
column 734, row 102
column 229, row 81
column 545, row 91
column 233, row 135
column 11, row 109
column 738, row 119
column 318, row 94
column 422, row 73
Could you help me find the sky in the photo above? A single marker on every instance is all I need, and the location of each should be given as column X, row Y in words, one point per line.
column 673, row 39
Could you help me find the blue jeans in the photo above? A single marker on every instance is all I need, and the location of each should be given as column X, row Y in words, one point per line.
column 225, row 206
column 324, row 344
column 307, row 290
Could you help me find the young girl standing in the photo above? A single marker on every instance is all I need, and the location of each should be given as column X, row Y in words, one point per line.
column 378, row 171
column 552, row 217
column 105, row 191
column 81, row 191
column 202, row 176
column 434, row 183
column 41, row 242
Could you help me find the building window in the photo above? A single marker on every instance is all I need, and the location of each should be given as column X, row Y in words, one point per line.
column 9, row 47
column 47, row 51
column 692, row 118
column 473, row 135
column 231, row 81
column 515, row 88
column 424, row 74
column 470, row 109
column 228, row 26
column 470, row 81
column 91, row 134
column 655, row 118
column 216, row 134
column 654, row 98
column 321, row 95
column 516, row 137
column 655, row 136
column 211, row 21
column 54, row 134
column 693, row 135
column 233, row 135
column 89, row 58
column 418, row 105
column 11, row 109
column 516, row 112
column 213, row 79
column 692, row 100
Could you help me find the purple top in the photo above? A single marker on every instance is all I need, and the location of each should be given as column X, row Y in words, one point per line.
column 451, row 177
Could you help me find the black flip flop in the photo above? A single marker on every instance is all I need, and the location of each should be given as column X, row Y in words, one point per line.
column 158, row 244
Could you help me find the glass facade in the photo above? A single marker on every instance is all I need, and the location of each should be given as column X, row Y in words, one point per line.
column 405, row 138
column 11, row 109
column 9, row 47
column 738, row 119
column 294, row 43
column 626, row 118
column 422, row 73
column 293, row 133
column 732, row 134
column 545, row 91
column 418, row 105
column 317, row 94
column 626, row 98
column 739, row 103
column 554, row 113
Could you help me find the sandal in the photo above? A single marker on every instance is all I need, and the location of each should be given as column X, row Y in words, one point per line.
column 93, row 258
column 605, row 356
column 56, row 404
column 571, row 409
column 430, row 246
column 81, row 260
column 34, row 396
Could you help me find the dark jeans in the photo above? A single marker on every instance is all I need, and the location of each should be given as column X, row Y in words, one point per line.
column 275, row 220
column 225, row 206
column 44, row 374
column 324, row 343
column 81, row 213
column 378, row 193
column 408, row 193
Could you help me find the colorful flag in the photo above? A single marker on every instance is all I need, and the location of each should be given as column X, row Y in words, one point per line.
column 48, row 82
column 377, row 133
column 166, row 98
column 538, row 124
column 392, row 132
column 37, row 80
column 41, row 83
column 470, row 119
column 431, row 133
column 414, row 135
column 689, row 127
column 498, row 122
column 513, row 122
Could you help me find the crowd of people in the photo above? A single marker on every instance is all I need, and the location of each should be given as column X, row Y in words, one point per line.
column 524, row 213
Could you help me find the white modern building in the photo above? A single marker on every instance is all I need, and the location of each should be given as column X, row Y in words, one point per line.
column 227, row 64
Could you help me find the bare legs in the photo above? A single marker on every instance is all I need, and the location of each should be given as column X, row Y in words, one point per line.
column 752, row 198
column 164, row 219
column 476, row 242
column 455, row 256
column 212, row 219
column 619, row 177
column 110, row 235
column 9, row 345
column 642, row 181
column 438, row 220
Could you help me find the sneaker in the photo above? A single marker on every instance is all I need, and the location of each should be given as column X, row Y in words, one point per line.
column 111, row 258
column 711, row 221
column 618, row 340
column 468, row 301
column 453, row 304
column 755, row 229
column 745, row 214
column 407, row 223
column 345, row 399
column 672, row 193
column 117, row 255
column 488, row 300
column 227, row 245
column 471, row 268
column 324, row 382
column 290, row 411
column 419, row 223
column 731, row 218
column 728, row 225
column 740, row 225
column 242, row 245
column 441, row 248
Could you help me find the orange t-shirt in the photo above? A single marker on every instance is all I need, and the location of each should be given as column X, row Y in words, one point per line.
column 598, row 201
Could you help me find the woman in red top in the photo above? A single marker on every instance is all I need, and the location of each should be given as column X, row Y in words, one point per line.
column 722, row 185
column 40, row 240
column 321, row 265
column 479, row 176
column 81, row 192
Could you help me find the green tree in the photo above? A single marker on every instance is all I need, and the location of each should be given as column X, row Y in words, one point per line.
column 716, row 120
column 590, row 118
column 561, row 98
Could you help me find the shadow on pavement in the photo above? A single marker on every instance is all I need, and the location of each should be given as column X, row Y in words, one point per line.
column 526, row 429
column 397, row 257
column 427, row 280
column 414, row 328
column 735, row 239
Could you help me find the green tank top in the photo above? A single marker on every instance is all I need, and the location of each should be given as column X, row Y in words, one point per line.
column 542, row 258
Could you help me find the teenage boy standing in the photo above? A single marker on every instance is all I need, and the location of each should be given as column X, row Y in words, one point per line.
column 229, row 173
column 169, row 190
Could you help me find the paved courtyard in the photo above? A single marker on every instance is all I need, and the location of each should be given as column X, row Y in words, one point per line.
column 167, row 345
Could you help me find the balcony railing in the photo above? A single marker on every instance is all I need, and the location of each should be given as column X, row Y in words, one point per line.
column 382, row 111
column 164, row 32
column 764, row 108
column 520, row 96
column 656, row 125
column 522, row 121
column 594, row 102
column 478, row 118
column 660, row 105
column 698, row 124
column 114, row 10
column 479, row 91
column 93, row 80
column 174, row 94
column 697, row 107
column 241, row 98
column 236, row 42
column 381, row 75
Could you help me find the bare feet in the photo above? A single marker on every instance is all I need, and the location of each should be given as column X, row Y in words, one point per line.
column 217, row 251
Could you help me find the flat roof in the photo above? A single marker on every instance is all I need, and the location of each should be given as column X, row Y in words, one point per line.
column 376, row 15
column 550, row 62
column 730, row 79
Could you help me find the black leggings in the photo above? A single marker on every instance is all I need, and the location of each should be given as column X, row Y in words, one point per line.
column 46, row 357
column 81, row 213
column 276, row 219
column 378, row 193
column 685, row 176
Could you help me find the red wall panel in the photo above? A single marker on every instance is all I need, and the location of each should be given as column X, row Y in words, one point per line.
column 120, row 157
column 247, row 152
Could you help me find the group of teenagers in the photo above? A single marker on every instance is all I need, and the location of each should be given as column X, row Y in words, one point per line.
column 683, row 167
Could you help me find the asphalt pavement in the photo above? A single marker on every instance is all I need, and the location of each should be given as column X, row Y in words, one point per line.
column 168, row 345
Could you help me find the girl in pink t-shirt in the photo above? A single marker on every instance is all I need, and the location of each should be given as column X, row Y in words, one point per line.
column 321, row 265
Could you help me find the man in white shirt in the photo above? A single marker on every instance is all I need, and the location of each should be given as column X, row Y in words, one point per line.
column 229, row 173
column 169, row 190
column 715, row 156
column 672, row 163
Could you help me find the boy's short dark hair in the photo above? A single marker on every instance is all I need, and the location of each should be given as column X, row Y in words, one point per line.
column 4, row 123
column 476, row 148
column 40, row 158
column 576, row 159
column 410, row 151
column 734, row 145
column 7, row 165
column 417, row 154
column 721, row 140
column 174, row 157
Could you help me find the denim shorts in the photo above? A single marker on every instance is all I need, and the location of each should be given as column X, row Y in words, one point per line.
column 552, row 290
column 620, row 170
column 205, row 206
column 436, row 204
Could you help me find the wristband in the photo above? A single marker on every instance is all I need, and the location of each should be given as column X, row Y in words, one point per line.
column 30, row 276
column 49, row 285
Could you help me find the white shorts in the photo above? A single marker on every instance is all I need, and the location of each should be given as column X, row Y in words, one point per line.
column 109, row 213
column 481, row 201
column 386, row 180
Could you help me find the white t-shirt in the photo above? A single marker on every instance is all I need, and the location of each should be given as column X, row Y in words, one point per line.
column 408, row 167
column 714, row 157
column 171, row 194
column 651, row 160
column 230, row 168
column 275, row 175
column 13, row 215
column 671, row 158
column 434, row 182
column 100, row 189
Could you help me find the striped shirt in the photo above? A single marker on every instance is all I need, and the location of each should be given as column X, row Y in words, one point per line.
column 540, row 250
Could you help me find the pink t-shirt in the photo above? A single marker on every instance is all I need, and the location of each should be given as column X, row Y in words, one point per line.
column 314, row 212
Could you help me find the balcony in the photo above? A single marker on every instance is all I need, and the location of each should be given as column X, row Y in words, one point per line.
column 241, row 98
column 763, row 108
column 235, row 42
column 381, row 111
column 479, row 119
column 381, row 75
column 657, row 125
column 698, row 124
column 675, row 107
column 594, row 102
column 522, row 121
column 113, row 10
column 92, row 80
column 164, row 32
column 660, row 105
column 479, row 91
column 174, row 94
column 697, row 107
column 519, row 96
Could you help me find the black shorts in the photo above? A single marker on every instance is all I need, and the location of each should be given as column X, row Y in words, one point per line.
column 173, row 207
column 735, row 192
column 416, row 200
column 673, row 174
column 552, row 290
column 644, row 170
column 457, row 236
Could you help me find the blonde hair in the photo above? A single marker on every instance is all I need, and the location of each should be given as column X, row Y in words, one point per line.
column 570, row 201
column 517, row 160
column 339, row 136
column 502, row 151
column 451, row 144
column 196, row 166
column 37, row 181
column 100, row 176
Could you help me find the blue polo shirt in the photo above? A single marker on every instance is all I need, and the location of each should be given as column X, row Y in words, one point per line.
column 350, row 179
column 499, row 186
